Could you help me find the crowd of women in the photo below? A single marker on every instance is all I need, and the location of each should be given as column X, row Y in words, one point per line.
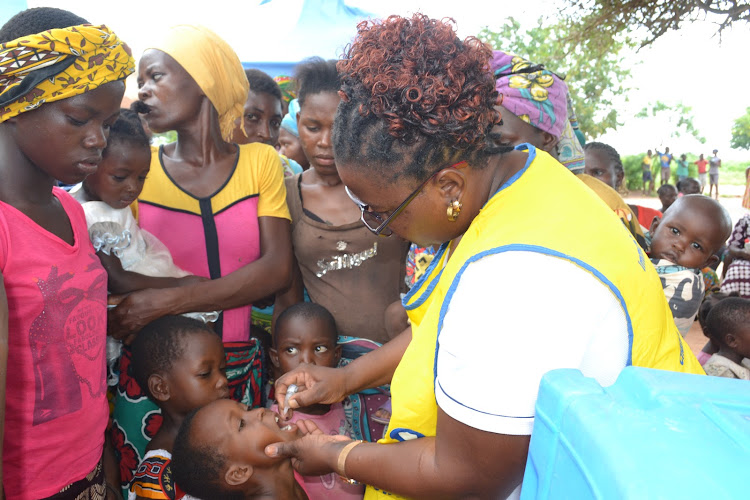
column 434, row 172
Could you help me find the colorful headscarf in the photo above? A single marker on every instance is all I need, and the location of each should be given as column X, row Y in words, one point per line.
column 534, row 94
column 288, row 87
column 57, row 64
column 570, row 147
column 289, row 122
column 214, row 66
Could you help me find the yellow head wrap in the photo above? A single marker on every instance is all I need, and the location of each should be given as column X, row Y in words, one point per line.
column 57, row 64
column 214, row 66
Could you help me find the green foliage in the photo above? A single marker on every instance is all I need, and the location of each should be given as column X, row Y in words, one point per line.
column 733, row 172
column 741, row 132
column 678, row 119
column 633, row 171
column 591, row 67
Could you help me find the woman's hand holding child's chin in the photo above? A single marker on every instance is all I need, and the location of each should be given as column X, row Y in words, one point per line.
column 314, row 453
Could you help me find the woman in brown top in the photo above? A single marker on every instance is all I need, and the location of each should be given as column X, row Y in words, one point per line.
column 343, row 266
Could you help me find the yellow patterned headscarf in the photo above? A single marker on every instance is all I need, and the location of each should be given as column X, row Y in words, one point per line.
column 57, row 64
column 214, row 66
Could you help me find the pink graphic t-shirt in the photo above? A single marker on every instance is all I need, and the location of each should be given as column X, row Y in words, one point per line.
column 56, row 406
column 331, row 485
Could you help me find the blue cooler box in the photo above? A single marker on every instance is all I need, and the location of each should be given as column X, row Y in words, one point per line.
column 652, row 434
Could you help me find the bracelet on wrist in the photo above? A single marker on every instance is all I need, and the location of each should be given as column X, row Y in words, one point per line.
column 341, row 462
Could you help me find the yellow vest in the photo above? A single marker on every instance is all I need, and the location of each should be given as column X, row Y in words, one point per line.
column 546, row 209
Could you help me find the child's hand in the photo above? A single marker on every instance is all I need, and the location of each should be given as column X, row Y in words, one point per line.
column 305, row 427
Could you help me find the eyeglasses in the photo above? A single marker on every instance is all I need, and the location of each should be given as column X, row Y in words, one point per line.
column 377, row 222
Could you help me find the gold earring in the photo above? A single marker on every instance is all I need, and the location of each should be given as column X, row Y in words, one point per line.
column 454, row 209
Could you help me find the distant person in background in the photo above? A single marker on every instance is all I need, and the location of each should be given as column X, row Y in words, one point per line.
column 262, row 112
column 667, row 195
column 682, row 168
column 289, row 144
column 648, row 180
column 688, row 185
column 603, row 162
column 713, row 173
column 702, row 162
column 261, row 118
column 665, row 160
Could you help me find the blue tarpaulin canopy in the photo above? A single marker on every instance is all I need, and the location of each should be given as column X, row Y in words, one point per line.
column 320, row 28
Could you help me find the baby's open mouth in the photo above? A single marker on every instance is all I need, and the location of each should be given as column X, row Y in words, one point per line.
column 287, row 427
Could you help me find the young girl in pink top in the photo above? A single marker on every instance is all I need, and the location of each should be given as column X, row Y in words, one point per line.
column 53, row 127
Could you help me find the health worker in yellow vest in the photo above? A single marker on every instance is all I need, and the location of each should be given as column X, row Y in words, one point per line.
column 534, row 273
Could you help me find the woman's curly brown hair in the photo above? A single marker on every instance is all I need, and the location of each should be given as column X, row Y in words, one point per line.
column 409, row 81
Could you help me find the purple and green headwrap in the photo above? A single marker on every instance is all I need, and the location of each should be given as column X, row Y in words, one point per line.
column 534, row 94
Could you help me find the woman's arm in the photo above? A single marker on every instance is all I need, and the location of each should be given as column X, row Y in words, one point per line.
column 121, row 281
column 460, row 462
column 331, row 385
column 3, row 370
column 265, row 276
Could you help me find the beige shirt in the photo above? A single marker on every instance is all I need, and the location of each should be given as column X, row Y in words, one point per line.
column 347, row 269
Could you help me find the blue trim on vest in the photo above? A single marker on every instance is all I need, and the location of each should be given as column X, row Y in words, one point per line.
column 532, row 156
column 418, row 285
column 520, row 247
column 394, row 434
column 478, row 411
